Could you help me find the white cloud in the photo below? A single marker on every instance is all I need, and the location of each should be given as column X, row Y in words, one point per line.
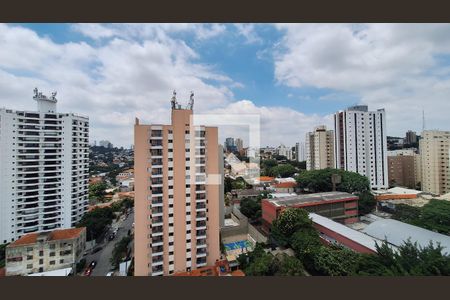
column 395, row 66
column 112, row 82
column 248, row 32
column 278, row 124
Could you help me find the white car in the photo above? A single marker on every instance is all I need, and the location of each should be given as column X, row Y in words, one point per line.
column 110, row 274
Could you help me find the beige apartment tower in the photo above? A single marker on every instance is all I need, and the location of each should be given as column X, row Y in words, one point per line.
column 320, row 148
column 177, row 195
column 435, row 152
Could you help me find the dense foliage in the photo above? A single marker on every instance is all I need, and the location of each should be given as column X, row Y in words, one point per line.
column 251, row 207
column 2, row 255
column 122, row 206
column 284, row 170
column 366, row 203
column 96, row 221
column 434, row 215
column 120, row 251
column 317, row 181
column 262, row 263
column 334, row 260
column 97, row 190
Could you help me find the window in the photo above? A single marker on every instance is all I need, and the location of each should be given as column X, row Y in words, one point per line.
column 29, row 257
column 41, row 253
column 41, row 261
column 52, row 262
column 61, row 261
column 52, row 246
column 52, row 253
column 30, row 266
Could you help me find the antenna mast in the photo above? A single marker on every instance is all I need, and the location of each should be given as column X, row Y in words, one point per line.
column 191, row 101
column 174, row 100
column 423, row 120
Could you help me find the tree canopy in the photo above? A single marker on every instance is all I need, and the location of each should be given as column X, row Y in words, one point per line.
column 435, row 215
column 317, row 181
column 96, row 221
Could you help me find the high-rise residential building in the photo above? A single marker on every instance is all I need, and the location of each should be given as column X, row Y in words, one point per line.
column 229, row 144
column 435, row 153
column 360, row 143
column 239, row 144
column 403, row 168
column 320, row 148
column 177, row 195
column 285, row 151
column 44, row 169
column 299, row 151
column 411, row 137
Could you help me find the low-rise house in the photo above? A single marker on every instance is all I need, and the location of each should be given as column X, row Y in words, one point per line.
column 45, row 251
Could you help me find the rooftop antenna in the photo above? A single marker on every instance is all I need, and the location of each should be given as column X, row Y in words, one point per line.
column 423, row 120
column 191, row 101
column 174, row 100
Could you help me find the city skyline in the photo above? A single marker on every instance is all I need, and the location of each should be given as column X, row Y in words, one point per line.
column 285, row 73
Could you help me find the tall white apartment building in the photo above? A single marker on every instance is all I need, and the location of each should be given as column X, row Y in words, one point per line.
column 435, row 152
column 44, row 169
column 320, row 148
column 285, row 151
column 300, row 151
column 360, row 143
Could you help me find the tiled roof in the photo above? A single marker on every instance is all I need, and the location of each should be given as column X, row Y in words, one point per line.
column 55, row 235
column 266, row 178
column 285, row 185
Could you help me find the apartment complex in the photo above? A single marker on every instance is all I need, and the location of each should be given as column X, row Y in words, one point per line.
column 360, row 143
column 44, row 169
column 300, row 151
column 435, row 153
column 320, row 148
column 45, row 251
column 411, row 137
column 177, row 195
column 285, row 151
column 402, row 170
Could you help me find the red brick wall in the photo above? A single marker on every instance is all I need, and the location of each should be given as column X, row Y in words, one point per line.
column 343, row 240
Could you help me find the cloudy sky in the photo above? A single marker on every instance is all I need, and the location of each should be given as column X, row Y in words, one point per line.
column 294, row 76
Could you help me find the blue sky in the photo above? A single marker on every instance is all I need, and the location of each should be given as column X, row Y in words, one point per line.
column 294, row 75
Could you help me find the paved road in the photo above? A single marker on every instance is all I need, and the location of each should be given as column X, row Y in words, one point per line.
column 103, row 257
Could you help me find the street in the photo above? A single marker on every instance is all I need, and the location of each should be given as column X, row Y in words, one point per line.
column 103, row 256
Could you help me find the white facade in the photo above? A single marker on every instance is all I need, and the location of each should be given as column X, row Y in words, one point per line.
column 360, row 143
column 44, row 169
column 285, row 151
column 320, row 149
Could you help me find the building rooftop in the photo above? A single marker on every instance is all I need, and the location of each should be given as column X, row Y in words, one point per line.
column 287, row 184
column 396, row 233
column 354, row 235
column 312, row 198
column 55, row 235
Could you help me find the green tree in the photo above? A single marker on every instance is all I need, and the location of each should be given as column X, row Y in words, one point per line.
column 228, row 184
column 305, row 243
column 366, row 203
column 96, row 221
column 97, row 190
column 285, row 170
column 120, row 251
column 2, row 254
column 285, row 265
column 335, row 261
column 320, row 181
column 250, row 208
column 287, row 223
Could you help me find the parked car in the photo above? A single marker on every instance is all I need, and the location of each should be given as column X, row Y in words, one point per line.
column 88, row 272
column 97, row 249
column 110, row 274
column 92, row 264
column 111, row 237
